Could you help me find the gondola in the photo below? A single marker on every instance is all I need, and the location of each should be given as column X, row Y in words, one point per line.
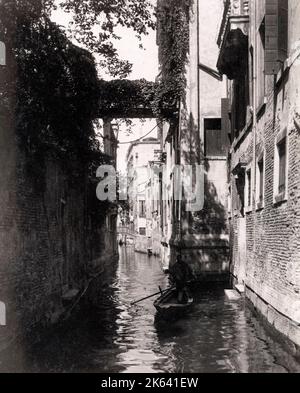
column 168, row 307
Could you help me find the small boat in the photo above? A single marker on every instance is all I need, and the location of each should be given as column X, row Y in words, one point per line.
column 168, row 307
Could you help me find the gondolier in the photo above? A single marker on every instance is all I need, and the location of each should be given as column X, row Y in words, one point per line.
column 180, row 274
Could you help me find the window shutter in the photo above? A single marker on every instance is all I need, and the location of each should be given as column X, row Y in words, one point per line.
column 276, row 34
column 212, row 139
column 225, row 124
column 225, row 109
column 283, row 30
column 271, row 31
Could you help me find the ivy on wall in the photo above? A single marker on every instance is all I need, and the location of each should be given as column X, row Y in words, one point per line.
column 163, row 96
column 125, row 96
column 173, row 40
column 58, row 91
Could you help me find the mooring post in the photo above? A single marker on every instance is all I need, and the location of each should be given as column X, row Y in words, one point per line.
column 2, row 314
column 2, row 54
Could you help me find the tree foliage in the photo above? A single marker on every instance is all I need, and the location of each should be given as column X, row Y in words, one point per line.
column 57, row 89
column 94, row 23
column 125, row 96
column 58, row 92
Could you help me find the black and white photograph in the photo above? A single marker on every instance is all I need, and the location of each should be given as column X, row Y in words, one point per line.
column 149, row 189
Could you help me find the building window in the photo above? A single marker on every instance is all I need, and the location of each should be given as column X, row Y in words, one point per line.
column 229, row 201
column 261, row 65
column 142, row 209
column 142, row 231
column 276, row 33
column 248, row 190
column 260, row 182
column 251, row 76
column 240, row 193
column 216, row 141
column 282, row 166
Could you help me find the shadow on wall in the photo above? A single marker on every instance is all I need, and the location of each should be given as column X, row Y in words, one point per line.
column 207, row 229
column 212, row 219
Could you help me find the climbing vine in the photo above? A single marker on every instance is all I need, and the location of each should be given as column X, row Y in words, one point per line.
column 56, row 93
column 124, row 96
column 173, row 40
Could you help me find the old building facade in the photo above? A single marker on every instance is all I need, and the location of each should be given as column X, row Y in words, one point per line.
column 259, row 53
column 198, row 138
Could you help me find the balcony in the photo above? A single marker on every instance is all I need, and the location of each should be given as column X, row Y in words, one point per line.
column 233, row 38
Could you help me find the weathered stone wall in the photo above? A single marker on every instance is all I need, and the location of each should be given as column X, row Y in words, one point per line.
column 53, row 238
column 51, row 242
column 270, row 265
column 51, row 246
column 205, row 240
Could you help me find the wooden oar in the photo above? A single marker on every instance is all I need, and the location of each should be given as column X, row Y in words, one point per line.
column 148, row 297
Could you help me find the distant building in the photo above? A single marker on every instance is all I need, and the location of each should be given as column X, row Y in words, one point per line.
column 153, row 207
column 110, row 134
column 260, row 55
column 110, row 142
column 140, row 157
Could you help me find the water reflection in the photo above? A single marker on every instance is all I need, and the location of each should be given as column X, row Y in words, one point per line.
column 217, row 336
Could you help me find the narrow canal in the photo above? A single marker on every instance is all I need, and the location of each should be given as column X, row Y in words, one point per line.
column 218, row 336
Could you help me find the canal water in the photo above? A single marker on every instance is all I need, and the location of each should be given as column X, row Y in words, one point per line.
column 218, row 336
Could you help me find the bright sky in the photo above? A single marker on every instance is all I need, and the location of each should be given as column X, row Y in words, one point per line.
column 145, row 65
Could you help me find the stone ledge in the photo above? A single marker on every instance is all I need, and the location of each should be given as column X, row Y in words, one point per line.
column 240, row 288
column 232, row 294
column 288, row 329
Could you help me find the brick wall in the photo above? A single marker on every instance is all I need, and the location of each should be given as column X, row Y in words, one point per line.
column 50, row 241
column 53, row 241
column 272, row 260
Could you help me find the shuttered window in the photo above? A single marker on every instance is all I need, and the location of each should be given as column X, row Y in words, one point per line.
column 249, row 188
column 282, row 165
column 142, row 231
column 261, row 64
column 142, row 209
column 283, row 14
column 276, row 21
column 261, row 181
column 225, row 121
column 216, row 138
